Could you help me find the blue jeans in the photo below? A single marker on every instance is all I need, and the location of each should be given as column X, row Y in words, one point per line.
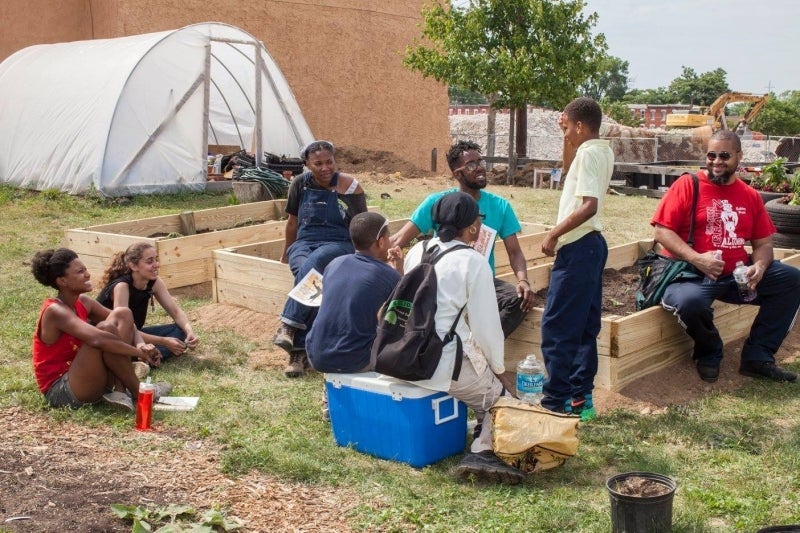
column 303, row 256
column 571, row 320
column 165, row 330
column 778, row 300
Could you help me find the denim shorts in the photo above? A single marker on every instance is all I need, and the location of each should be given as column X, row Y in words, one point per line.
column 60, row 394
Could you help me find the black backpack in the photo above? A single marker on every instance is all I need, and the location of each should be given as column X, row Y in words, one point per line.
column 406, row 345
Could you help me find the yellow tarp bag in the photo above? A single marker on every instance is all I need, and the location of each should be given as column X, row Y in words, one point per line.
column 531, row 438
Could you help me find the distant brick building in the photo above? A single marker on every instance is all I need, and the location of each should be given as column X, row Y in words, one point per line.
column 654, row 116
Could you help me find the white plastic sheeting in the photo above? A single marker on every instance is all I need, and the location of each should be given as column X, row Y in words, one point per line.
column 135, row 115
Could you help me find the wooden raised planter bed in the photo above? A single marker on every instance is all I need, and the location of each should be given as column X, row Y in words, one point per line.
column 633, row 346
column 184, row 241
column 252, row 276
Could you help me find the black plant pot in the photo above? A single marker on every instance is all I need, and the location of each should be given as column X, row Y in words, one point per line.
column 641, row 514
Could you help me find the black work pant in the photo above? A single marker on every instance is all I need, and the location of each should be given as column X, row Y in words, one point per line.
column 508, row 304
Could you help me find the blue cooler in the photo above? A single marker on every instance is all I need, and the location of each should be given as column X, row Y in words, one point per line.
column 393, row 419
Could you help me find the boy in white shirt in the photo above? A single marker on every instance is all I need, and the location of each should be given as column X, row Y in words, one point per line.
column 571, row 319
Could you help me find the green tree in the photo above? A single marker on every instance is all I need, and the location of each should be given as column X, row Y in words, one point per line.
column 463, row 96
column 516, row 52
column 620, row 112
column 648, row 96
column 780, row 116
column 700, row 89
column 610, row 80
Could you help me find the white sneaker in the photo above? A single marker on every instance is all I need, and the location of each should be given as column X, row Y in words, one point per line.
column 119, row 398
column 141, row 369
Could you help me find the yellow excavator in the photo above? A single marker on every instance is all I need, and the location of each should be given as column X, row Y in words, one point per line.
column 714, row 115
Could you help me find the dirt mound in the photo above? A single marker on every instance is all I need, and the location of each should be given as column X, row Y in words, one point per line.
column 354, row 160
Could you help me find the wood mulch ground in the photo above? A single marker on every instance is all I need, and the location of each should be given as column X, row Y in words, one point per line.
column 62, row 476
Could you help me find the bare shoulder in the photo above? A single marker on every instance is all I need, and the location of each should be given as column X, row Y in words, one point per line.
column 346, row 180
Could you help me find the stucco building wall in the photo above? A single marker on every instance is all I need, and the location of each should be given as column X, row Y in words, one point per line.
column 342, row 58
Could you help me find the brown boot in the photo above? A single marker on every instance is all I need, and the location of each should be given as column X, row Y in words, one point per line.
column 284, row 338
column 297, row 364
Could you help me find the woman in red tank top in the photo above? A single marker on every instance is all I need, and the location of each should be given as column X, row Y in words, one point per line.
column 74, row 361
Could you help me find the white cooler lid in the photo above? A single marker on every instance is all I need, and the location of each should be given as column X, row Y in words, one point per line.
column 379, row 384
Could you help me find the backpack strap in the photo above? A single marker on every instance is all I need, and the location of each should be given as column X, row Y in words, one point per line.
column 459, row 348
column 695, row 195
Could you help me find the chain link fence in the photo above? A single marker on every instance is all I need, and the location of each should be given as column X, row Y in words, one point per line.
column 660, row 147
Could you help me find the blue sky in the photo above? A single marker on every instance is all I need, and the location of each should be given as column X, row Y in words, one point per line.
column 755, row 42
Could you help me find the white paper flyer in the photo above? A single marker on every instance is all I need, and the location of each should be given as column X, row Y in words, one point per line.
column 485, row 241
column 309, row 290
column 176, row 403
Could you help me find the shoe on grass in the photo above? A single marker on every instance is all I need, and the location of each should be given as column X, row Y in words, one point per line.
column 141, row 369
column 583, row 406
column 297, row 364
column 766, row 369
column 284, row 338
column 486, row 466
column 119, row 399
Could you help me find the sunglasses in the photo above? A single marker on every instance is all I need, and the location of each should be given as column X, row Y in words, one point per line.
column 722, row 155
column 472, row 166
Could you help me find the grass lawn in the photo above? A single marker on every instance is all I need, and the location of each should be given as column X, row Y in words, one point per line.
column 734, row 455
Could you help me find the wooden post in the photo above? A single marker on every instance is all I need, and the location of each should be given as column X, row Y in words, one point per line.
column 187, row 223
column 434, row 153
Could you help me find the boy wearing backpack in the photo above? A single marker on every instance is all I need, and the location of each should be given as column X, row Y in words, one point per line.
column 353, row 289
column 571, row 319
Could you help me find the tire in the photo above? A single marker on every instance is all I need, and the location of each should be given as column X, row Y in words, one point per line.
column 785, row 217
column 786, row 240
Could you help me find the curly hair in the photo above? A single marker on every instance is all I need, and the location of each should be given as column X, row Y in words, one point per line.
column 48, row 265
column 585, row 110
column 120, row 260
column 457, row 150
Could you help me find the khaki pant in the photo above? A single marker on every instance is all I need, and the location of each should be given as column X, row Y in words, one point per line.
column 478, row 391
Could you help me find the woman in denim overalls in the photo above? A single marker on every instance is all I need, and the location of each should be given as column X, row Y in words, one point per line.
column 320, row 205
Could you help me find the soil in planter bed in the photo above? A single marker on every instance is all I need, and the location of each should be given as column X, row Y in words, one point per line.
column 619, row 291
column 242, row 224
column 641, row 487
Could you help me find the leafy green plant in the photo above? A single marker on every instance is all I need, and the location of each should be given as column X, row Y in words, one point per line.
column 773, row 178
column 175, row 518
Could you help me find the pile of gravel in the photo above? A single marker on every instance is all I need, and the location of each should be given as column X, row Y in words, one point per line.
column 631, row 145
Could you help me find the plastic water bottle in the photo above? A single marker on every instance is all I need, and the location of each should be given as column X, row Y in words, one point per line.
column 740, row 276
column 718, row 257
column 144, row 405
column 530, row 379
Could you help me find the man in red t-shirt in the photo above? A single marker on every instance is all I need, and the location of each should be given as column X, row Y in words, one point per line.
column 729, row 214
